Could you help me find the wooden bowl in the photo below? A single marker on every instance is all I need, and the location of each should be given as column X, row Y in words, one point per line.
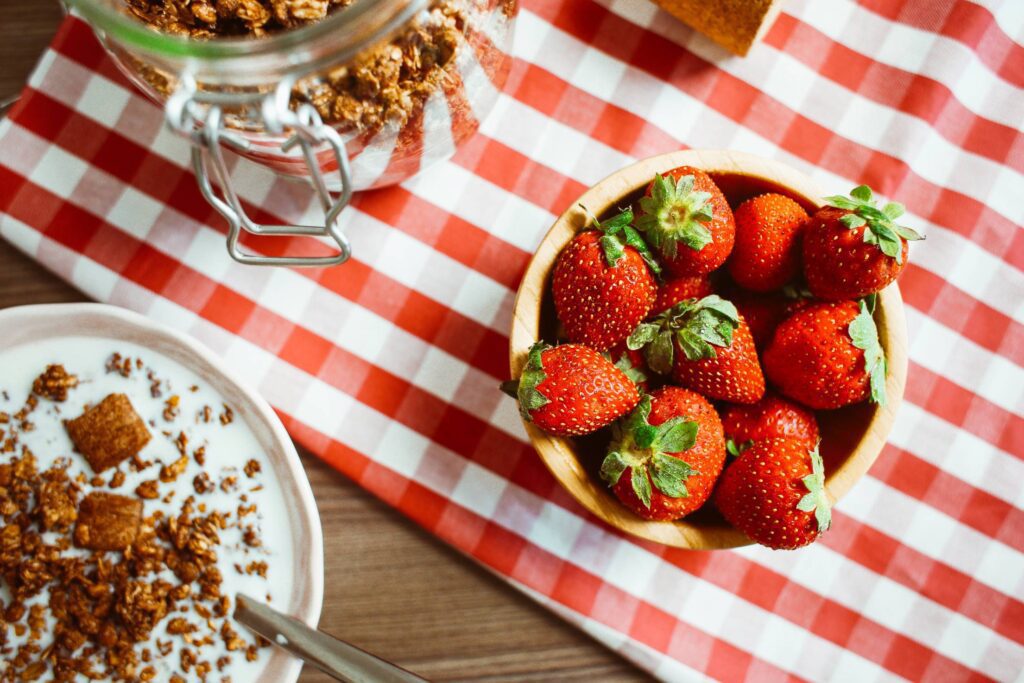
column 852, row 437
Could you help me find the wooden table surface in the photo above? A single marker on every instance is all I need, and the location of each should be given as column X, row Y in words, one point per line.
column 452, row 620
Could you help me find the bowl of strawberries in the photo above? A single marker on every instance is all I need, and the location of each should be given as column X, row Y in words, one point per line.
column 706, row 352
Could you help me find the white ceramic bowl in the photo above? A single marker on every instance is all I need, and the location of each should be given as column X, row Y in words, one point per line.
column 27, row 324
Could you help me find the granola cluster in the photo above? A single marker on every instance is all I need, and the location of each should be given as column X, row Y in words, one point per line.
column 213, row 18
column 92, row 572
column 383, row 85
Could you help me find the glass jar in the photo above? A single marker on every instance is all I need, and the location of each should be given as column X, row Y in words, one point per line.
column 364, row 97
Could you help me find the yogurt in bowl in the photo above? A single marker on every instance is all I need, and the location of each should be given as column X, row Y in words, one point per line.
column 222, row 494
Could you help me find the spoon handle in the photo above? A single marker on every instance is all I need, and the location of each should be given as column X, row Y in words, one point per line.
column 334, row 657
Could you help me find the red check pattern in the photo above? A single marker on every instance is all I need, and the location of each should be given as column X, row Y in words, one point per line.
column 387, row 367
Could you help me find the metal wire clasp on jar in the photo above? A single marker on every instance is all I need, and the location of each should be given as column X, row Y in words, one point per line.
column 362, row 96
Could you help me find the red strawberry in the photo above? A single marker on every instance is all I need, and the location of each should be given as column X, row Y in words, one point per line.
column 771, row 417
column 775, row 494
column 707, row 347
column 687, row 220
column 633, row 364
column 766, row 255
column 828, row 356
column 852, row 249
column 764, row 312
column 603, row 283
column 673, row 291
column 571, row 390
column 665, row 457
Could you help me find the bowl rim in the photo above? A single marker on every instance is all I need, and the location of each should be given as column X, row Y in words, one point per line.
column 558, row 454
column 62, row 319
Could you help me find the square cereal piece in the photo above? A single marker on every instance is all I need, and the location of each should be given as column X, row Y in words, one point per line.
column 107, row 521
column 108, row 432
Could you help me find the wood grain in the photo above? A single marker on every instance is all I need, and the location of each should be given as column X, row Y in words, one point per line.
column 433, row 611
column 852, row 437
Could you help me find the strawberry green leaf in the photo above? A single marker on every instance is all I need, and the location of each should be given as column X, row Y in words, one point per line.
column 862, row 193
column 725, row 308
column 612, row 468
column 643, row 335
column 879, row 228
column 530, row 397
column 635, row 374
column 697, row 326
column 669, row 475
column 871, row 301
column 660, row 353
column 614, row 224
column 633, row 239
column 676, row 435
column 841, row 202
column 693, row 346
column 816, row 498
column 641, row 485
column 638, row 417
column 674, row 214
column 736, row 449
column 648, row 450
column 906, row 233
column 644, row 435
column 612, row 248
column 864, row 335
column 619, row 234
column 878, row 374
column 712, row 328
column 887, row 240
column 893, row 210
column 852, row 221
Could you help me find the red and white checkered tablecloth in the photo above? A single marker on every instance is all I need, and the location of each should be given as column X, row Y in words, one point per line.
column 387, row 367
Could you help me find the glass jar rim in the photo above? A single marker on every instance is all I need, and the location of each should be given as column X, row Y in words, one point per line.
column 357, row 25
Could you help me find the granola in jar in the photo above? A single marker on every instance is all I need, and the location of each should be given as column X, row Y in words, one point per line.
column 401, row 103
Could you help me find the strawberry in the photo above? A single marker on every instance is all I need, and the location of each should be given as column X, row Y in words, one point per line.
column 707, row 347
column 771, row 417
column 603, row 283
column 852, row 249
column 687, row 220
column 827, row 355
column 571, row 390
column 633, row 364
column 673, row 291
column 665, row 456
column 764, row 312
column 775, row 494
column 766, row 255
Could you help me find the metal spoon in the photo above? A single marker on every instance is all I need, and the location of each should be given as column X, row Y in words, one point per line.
column 334, row 657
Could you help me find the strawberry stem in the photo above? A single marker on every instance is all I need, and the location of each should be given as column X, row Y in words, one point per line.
column 619, row 234
column 864, row 335
column 698, row 326
column 882, row 230
column 647, row 450
column 529, row 396
column 675, row 214
column 816, row 498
